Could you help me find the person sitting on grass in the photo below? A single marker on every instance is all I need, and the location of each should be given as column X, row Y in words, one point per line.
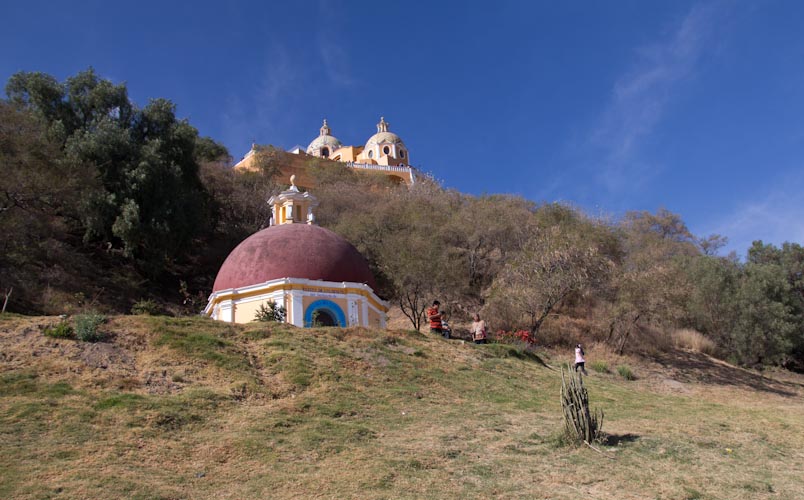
column 580, row 362
column 478, row 330
column 434, row 316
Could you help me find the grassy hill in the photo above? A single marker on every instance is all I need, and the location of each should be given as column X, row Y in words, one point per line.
column 189, row 408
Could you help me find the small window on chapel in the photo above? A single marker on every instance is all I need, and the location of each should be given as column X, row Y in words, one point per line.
column 386, row 150
column 371, row 154
column 325, row 152
column 401, row 153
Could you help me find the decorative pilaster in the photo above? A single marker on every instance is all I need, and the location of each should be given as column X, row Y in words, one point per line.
column 296, row 309
column 227, row 311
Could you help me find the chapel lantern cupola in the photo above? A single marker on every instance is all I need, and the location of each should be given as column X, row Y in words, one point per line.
column 292, row 206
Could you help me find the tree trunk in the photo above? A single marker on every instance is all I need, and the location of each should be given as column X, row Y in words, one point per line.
column 5, row 301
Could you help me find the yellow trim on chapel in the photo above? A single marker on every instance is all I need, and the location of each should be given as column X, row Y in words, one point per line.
column 295, row 286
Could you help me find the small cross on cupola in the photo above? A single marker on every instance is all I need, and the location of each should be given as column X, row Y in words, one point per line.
column 383, row 125
column 325, row 130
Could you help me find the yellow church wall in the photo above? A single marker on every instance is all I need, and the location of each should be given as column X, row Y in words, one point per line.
column 347, row 153
column 246, row 312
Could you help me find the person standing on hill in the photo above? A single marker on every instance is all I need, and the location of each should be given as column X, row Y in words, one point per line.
column 478, row 330
column 434, row 316
column 580, row 362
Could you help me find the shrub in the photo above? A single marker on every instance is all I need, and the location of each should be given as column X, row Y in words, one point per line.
column 86, row 327
column 270, row 311
column 600, row 366
column 61, row 331
column 649, row 340
column 625, row 372
column 515, row 337
column 693, row 340
column 145, row 306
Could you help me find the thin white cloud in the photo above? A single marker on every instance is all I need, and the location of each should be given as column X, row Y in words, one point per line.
column 775, row 216
column 336, row 63
column 280, row 77
column 258, row 115
column 640, row 98
column 235, row 126
column 335, row 58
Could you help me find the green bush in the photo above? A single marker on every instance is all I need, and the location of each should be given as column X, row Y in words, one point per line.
column 600, row 366
column 270, row 311
column 145, row 306
column 625, row 372
column 61, row 331
column 86, row 327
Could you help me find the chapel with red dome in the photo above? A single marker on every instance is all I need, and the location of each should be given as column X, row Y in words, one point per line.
column 315, row 274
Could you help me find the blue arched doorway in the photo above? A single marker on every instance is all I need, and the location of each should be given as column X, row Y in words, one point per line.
column 324, row 313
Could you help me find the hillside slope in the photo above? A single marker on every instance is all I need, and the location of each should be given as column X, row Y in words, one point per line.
column 189, row 408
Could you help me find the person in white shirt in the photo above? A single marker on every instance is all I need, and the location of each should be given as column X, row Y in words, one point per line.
column 579, row 359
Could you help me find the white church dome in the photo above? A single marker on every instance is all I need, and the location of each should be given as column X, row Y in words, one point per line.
column 383, row 136
column 325, row 144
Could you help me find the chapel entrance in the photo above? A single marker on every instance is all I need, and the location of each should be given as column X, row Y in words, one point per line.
column 324, row 318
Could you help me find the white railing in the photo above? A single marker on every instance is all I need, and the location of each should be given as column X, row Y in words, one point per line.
column 385, row 168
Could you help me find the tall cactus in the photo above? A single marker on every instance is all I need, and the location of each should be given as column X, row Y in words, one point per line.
column 580, row 424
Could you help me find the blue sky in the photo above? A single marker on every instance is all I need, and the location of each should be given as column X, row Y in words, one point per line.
column 697, row 107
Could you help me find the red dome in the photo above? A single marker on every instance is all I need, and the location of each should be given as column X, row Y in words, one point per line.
column 293, row 251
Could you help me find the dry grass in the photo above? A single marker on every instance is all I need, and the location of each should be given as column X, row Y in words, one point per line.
column 693, row 340
column 189, row 408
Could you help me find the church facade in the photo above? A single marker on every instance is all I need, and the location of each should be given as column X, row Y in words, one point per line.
column 383, row 153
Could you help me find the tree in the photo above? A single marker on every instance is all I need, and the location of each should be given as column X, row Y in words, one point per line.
column 648, row 288
column 787, row 264
column 39, row 207
column 411, row 252
column 404, row 233
column 483, row 231
column 767, row 324
column 552, row 266
column 754, row 310
column 150, row 203
column 664, row 224
column 712, row 243
column 712, row 306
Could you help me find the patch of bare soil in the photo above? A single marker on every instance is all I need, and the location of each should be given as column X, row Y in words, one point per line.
column 696, row 368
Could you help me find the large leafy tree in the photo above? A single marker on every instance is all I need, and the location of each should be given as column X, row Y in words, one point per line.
column 149, row 202
column 767, row 323
column 38, row 207
column 753, row 310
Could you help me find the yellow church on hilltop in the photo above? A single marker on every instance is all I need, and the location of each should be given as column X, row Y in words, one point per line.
column 384, row 153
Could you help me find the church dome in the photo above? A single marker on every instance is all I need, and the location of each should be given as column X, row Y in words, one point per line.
column 325, row 144
column 383, row 136
column 293, row 251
